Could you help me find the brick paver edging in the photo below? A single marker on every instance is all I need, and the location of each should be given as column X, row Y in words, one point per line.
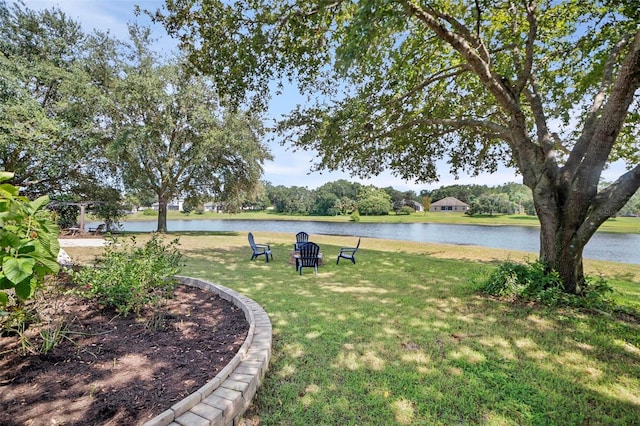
column 225, row 398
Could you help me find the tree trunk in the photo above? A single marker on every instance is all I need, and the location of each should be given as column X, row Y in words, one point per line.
column 162, row 214
column 560, row 247
column 561, row 251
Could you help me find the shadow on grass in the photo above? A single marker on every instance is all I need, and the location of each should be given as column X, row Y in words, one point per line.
column 403, row 338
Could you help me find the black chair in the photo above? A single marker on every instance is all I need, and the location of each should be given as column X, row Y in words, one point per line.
column 309, row 257
column 348, row 253
column 259, row 249
column 301, row 238
column 98, row 229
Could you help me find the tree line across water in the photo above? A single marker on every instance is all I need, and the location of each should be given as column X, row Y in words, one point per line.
column 343, row 197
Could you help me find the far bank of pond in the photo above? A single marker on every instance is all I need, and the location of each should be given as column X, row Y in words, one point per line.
column 623, row 225
column 614, row 247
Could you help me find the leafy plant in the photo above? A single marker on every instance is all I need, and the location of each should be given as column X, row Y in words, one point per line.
column 28, row 244
column 110, row 208
column 130, row 278
column 535, row 282
column 52, row 336
column 406, row 210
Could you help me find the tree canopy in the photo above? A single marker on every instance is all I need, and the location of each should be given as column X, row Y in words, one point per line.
column 549, row 87
column 172, row 136
column 51, row 101
column 88, row 117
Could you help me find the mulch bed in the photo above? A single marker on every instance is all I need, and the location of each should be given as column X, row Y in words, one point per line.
column 110, row 370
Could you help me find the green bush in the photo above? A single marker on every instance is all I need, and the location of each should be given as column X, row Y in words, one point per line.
column 534, row 282
column 149, row 212
column 406, row 210
column 28, row 245
column 130, row 278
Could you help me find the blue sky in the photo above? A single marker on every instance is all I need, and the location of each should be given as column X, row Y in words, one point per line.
column 288, row 168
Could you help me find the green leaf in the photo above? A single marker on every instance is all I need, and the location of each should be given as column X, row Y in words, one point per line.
column 5, row 176
column 9, row 239
column 39, row 203
column 8, row 190
column 4, row 299
column 47, row 266
column 25, row 288
column 49, row 243
column 26, row 250
column 40, row 250
column 5, row 283
column 18, row 269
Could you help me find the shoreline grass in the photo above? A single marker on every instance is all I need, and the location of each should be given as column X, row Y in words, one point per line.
column 403, row 338
column 628, row 225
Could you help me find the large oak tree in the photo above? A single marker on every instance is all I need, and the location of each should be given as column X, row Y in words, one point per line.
column 172, row 137
column 52, row 79
column 549, row 87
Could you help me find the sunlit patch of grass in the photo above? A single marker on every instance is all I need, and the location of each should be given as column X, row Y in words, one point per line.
column 404, row 411
column 501, row 345
column 626, row 389
column 402, row 337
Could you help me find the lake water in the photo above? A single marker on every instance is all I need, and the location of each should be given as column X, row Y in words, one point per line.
column 604, row 246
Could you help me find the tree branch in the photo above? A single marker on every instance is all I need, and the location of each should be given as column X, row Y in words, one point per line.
column 582, row 144
column 463, row 42
column 544, row 137
column 613, row 116
column 443, row 75
column 525, row 72
column 609, row 201
column 482, row 126
column 524, row 151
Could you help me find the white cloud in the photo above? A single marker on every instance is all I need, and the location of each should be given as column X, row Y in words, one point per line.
column 112, row 16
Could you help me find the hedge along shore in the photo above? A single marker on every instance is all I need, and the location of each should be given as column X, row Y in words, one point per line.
column 224, row 399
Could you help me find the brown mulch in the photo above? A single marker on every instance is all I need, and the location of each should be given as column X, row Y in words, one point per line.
column 110, row 370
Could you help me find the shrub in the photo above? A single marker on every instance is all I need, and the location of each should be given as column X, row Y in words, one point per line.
column 130, row 278
column 149, row 212
column 534, row 282
column 28, row 245
column 406, row 210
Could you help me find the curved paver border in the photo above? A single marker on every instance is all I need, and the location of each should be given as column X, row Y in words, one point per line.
column 225, row 398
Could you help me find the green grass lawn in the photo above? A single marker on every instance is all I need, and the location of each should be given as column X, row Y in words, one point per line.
column 403, row 338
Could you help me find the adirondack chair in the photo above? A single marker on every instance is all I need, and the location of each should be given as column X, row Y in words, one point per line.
column 309, row 257
column 301, row 238
column 348, row 253
column 98, row 229
column 259, row 249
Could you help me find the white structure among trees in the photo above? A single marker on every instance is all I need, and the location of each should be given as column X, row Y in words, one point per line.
column 449, row 205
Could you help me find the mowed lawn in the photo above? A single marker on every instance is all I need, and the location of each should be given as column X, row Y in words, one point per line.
column 402, row 337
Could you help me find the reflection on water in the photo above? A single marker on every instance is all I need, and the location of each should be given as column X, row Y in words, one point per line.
column 604, row 246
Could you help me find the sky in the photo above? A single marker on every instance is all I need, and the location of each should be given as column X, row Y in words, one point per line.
column 288, row 168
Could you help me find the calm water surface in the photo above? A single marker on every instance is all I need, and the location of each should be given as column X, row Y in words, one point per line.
column 604, row 246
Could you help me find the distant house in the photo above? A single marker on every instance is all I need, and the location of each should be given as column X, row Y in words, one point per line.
column 213, row 207
column 449, row 204
column 416, row 205
column 175, row 204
